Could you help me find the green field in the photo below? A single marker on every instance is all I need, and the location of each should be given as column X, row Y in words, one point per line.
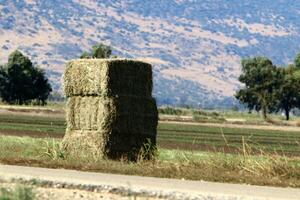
column 170, row 136
column 180, row 164
column 195, row 152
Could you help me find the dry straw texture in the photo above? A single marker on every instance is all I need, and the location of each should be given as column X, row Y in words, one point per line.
column 107, row 77
column 122, row 114
column 110, row 111
column 106, row 144
column 83, row 143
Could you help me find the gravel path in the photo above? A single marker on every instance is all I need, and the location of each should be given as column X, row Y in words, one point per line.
column 48, row 193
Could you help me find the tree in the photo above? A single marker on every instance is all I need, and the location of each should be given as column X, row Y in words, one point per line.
column 246, row 97
column 288, row 92
column 297, row 61
column 3, row 81
column 85, row 55
column 98, row 51
column 259, row 77
column 41, row 87
column 21, row 82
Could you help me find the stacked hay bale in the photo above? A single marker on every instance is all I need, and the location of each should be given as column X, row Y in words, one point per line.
column 110, row 110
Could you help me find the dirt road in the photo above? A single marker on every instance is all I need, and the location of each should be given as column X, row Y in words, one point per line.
column 242, row 126
column 146, row 186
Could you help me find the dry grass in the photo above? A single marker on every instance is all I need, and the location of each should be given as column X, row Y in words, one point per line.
column 263, row 169
column 107, row 77
column 99, row 113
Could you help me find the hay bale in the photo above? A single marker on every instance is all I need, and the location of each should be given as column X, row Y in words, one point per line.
column 123, row 114
column 98, row 145
column 110, row 111
column 83, row 143
column 107, row 77
column 88, row 112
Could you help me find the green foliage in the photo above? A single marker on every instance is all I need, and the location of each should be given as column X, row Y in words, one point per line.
column 52, row 150
column 85, row 55
column 208, row 118
column 170, row 111
column 259, row 77
column 41, row 86
column 21, row 82
column 98, row 51
column 288, row 92
column 19, row 193
column 297, row 61
column 185, row 112
column 3, row 81
column 268, row 87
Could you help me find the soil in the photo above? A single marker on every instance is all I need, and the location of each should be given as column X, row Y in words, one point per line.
column 34, row 134
column 44, row 193
column 242, row 126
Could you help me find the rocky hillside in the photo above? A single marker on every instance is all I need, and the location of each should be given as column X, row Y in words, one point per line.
column 194, row 46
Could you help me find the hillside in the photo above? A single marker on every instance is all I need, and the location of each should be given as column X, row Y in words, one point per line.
column 194, row 46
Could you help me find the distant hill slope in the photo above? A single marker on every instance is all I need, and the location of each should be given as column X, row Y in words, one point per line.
column 195, row 46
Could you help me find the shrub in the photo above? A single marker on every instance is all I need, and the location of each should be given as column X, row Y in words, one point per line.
column 19, row 193
column 170, row 111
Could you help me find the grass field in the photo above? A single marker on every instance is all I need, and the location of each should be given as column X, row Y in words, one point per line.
column 231, row 116
column 196, row 165
column 196, row 152
column 170, row 136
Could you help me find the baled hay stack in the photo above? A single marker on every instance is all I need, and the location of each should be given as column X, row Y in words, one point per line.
column 108, row 77
column 110, row 111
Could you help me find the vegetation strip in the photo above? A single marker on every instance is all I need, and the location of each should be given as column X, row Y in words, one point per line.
column 182, row 136
column 263, row 169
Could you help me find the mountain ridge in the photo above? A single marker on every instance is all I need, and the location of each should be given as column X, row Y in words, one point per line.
column 195, row 47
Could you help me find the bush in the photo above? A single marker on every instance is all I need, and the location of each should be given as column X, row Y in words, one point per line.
column 170, row 111
column 19, row 193
column 98, row 51
column 205, row 118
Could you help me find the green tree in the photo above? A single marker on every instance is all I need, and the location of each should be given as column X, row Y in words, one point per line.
column 297, row 61
column 288, row 92
column 98, row 51
column 246, row 97
column 41, row 87
column 21, row 82
column 3, row 81
column 85, row 55
column 259, row 78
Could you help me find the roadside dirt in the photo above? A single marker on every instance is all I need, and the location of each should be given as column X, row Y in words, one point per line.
column 45, row 193
column 242, row 126
column 34, row 134
column 31, row 111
